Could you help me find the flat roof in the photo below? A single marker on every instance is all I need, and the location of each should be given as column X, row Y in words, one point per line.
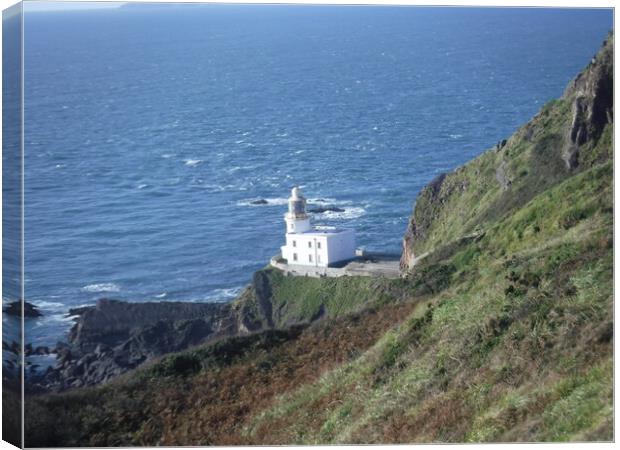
column 325, row 231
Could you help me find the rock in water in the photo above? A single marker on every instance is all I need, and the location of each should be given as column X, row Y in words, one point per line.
column 322, row 209
column 15, row 309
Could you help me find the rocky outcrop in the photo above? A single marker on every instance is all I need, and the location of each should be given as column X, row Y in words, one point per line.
column 591, row 94
column 112, row 337
column 429, row 200
column 15, row 309
column 568, row 135
column 323, row 209
column 112, row 322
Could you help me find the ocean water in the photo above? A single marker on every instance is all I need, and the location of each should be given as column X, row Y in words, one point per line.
column 150, row 130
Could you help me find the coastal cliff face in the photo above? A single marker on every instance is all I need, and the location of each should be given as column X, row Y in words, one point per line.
column 113, row 337
column 502, row 332
column 567, row 136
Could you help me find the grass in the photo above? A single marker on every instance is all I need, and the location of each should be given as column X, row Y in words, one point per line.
column 293, row 300
column 470, row 367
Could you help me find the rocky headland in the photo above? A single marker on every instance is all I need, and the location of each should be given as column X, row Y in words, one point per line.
column 112, row 337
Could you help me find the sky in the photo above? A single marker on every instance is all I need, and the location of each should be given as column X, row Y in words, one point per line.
column 32, row 6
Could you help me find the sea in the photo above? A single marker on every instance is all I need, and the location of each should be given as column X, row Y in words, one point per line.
column 150, row 130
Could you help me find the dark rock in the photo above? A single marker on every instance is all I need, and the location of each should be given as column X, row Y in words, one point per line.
column 41, row 350
column 428, row 201
column 592, row 107
column 112, row 337
column 112, row 322
column 13, row 347
column 261, row 201
column 15, row 309
column 262, row 288
column 322, row 209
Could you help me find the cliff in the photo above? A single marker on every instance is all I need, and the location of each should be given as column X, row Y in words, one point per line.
column 503, row 332
column 113, row 337
column 568, row 136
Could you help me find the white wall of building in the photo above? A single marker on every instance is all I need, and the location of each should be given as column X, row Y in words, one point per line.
column 319, row 249
column 306, row 249
column 341, row 246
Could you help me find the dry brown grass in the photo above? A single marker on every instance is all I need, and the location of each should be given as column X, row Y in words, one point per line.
column 212, row 406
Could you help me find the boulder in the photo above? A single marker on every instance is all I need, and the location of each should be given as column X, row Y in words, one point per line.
column 15, row 309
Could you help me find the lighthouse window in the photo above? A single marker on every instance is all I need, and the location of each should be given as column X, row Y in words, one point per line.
column 294, row 256
column 309, row 244
column 318, row 245
column 294, row 243
column 310, row 258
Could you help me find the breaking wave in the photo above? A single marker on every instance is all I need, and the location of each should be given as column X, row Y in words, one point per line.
column 349, row 213
column 101, row 287
column 192, row 162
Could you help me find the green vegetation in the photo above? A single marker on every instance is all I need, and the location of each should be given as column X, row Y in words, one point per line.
column 517, row 348
column 502, row 333
column 303, row 299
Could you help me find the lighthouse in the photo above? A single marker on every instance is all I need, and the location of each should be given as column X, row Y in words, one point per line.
column 297, row 221
column 310, row 246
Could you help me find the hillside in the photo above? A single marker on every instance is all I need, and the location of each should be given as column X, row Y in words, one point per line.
column 503, row 331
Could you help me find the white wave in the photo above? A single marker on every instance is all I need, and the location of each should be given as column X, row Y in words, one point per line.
column 217, row 187
column 225, row 293
column 42, row 304
column 456, row 136
column 58, row 318
column 142, row 186
column 348, row 213
column 192, row 162
column 167, row 155
column 162, row 295
column 282, row 134
column 101, row 287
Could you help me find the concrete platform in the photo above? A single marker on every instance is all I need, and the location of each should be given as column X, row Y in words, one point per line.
column 369, row 265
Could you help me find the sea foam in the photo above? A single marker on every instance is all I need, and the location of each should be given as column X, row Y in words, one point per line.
column 101, row 287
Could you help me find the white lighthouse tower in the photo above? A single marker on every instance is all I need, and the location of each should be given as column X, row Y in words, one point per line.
column 309, row 246
column 297, row 221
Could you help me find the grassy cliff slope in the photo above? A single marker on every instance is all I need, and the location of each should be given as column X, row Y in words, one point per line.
column 503, row 332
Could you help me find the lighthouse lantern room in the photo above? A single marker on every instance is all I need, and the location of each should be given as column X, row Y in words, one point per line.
column 309, row 246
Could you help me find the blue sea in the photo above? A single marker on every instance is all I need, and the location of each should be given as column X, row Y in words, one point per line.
column 151, row 129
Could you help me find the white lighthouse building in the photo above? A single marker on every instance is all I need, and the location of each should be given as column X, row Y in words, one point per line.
column 309, row 246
